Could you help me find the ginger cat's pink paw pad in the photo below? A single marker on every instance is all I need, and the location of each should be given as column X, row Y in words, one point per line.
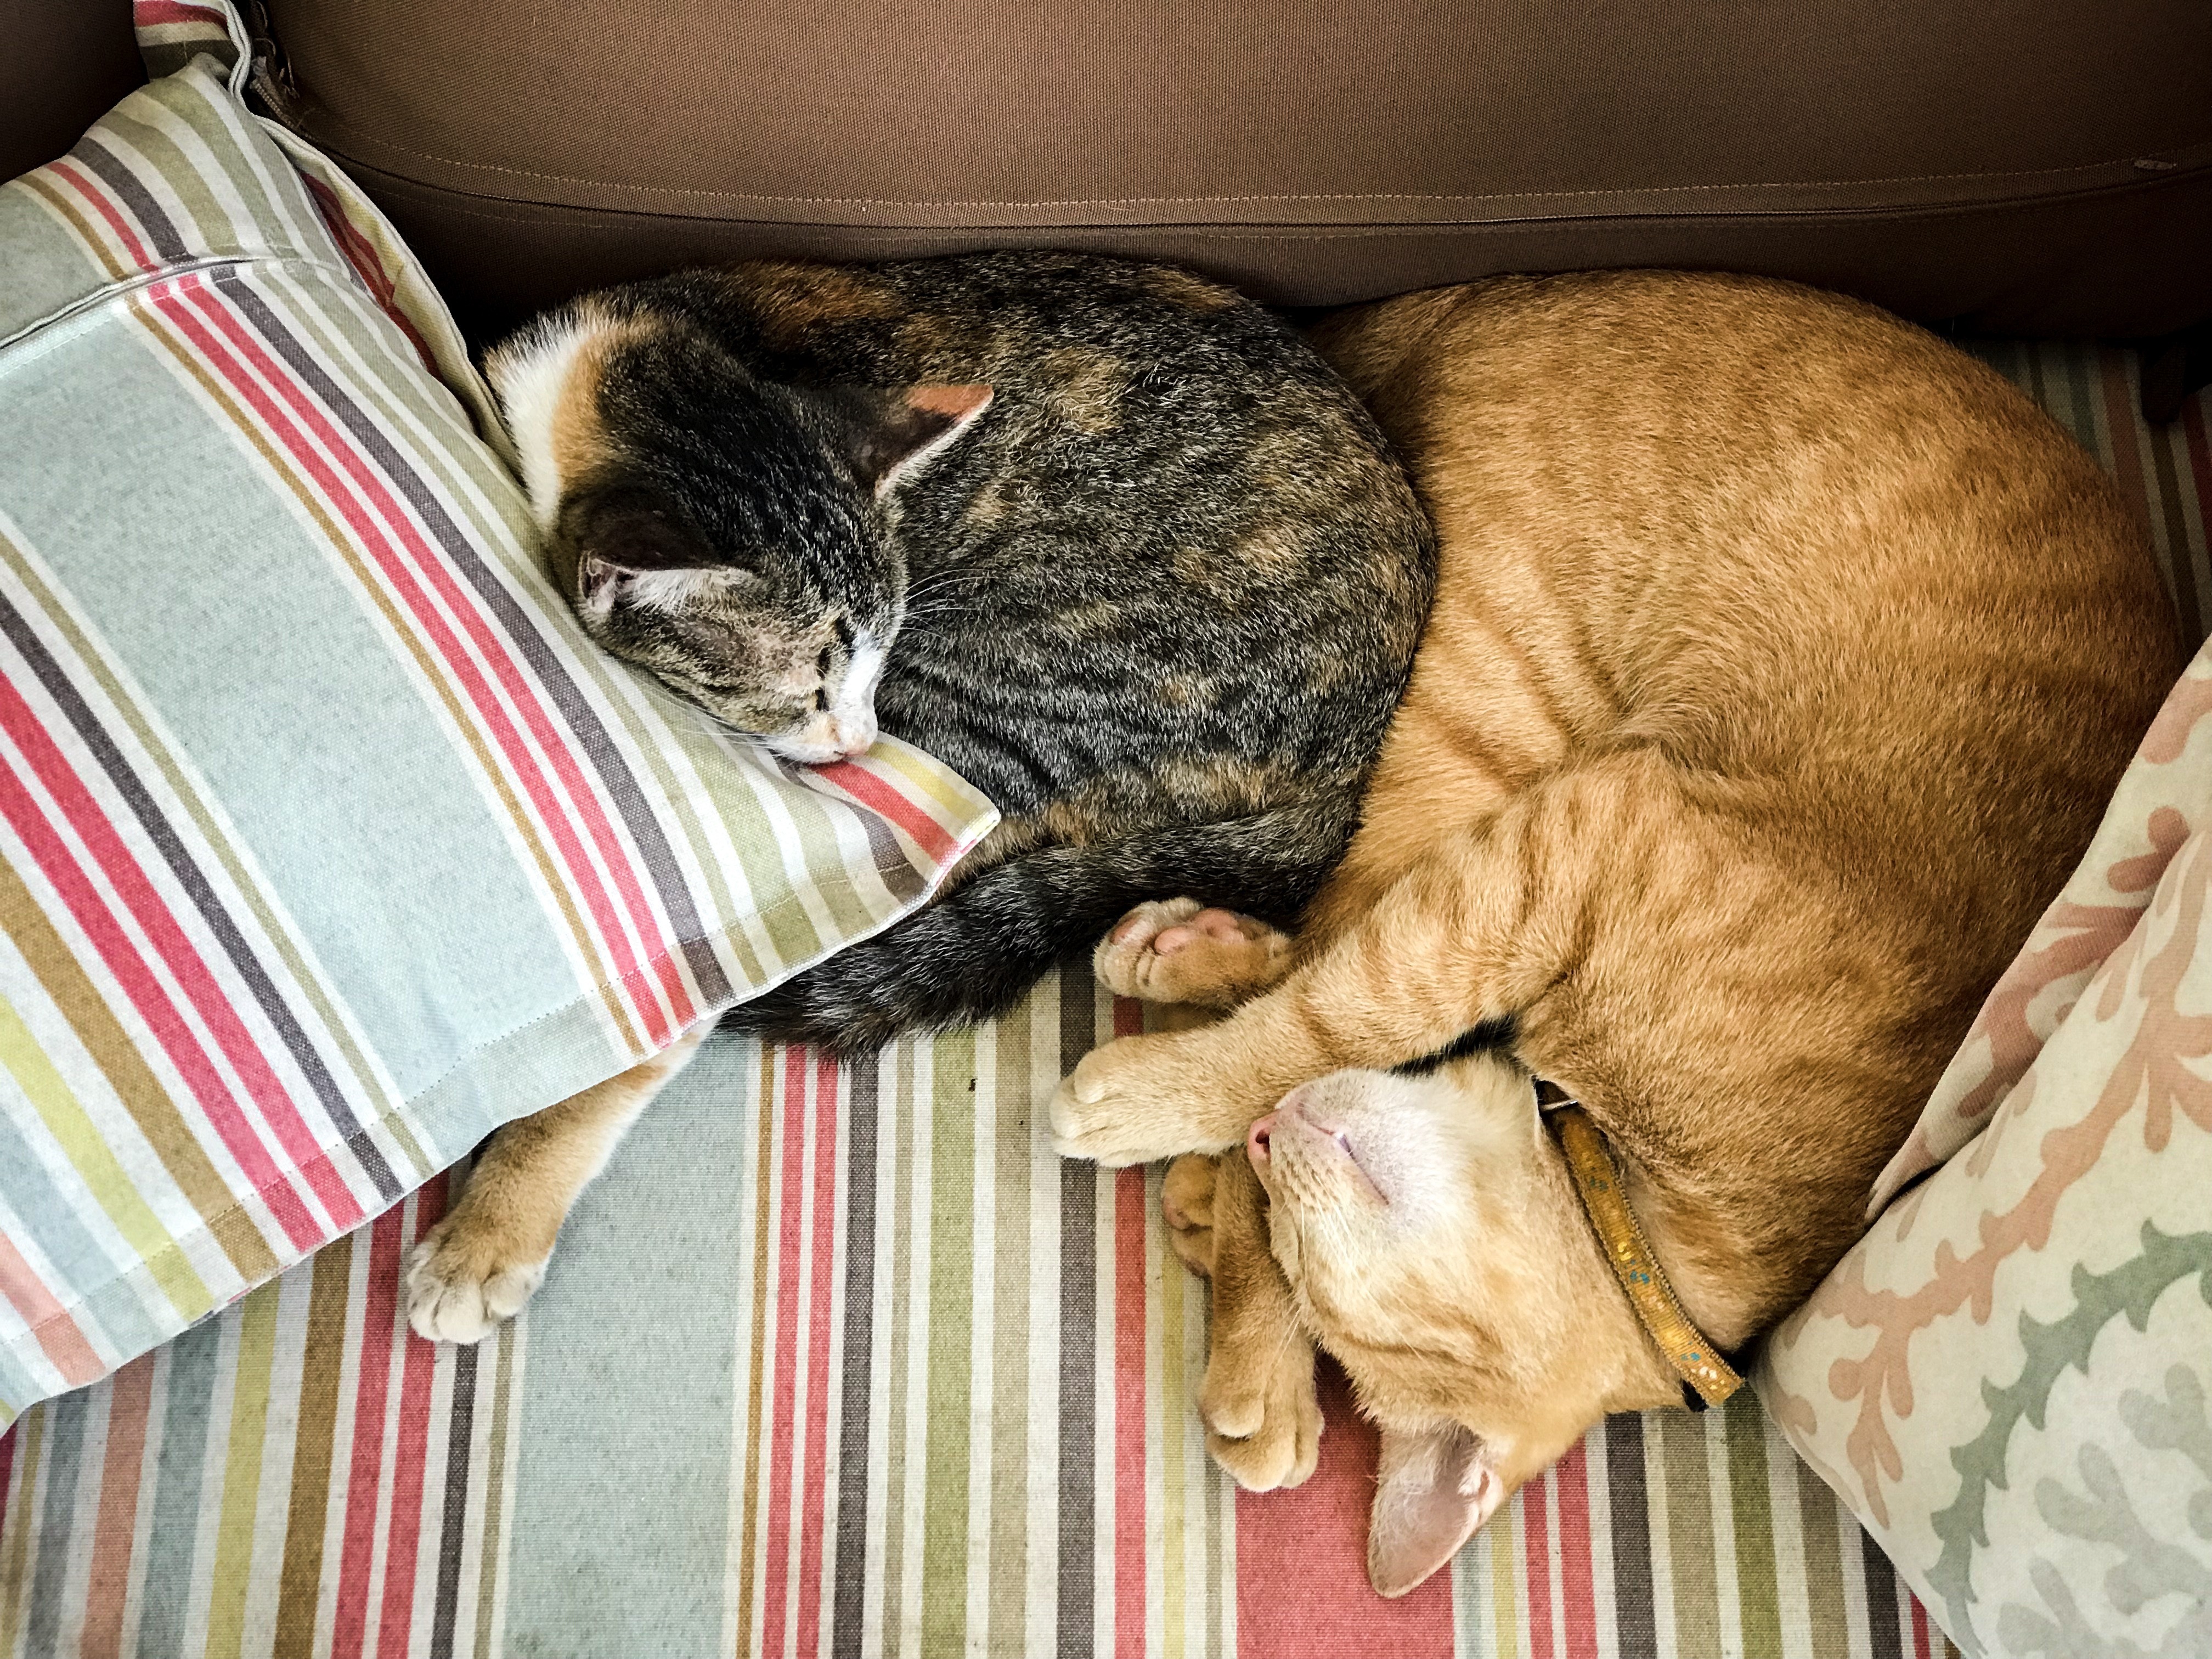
column 1187, row 1206
column 1175, row 950
column 465, row 1280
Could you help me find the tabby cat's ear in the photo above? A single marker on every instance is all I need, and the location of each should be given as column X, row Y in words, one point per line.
column 1434, row 1492
column 623, row 537
column 887, row 437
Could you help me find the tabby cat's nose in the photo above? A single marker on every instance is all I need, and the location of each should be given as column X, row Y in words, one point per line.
column 852, row 737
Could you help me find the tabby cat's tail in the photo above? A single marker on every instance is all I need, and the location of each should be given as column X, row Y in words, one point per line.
column 974, row 952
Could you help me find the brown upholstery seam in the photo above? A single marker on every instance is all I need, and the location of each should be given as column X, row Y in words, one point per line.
column 2188, row 158
column 564, row 214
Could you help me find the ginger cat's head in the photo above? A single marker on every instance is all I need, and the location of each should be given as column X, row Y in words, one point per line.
column 1437, row 1249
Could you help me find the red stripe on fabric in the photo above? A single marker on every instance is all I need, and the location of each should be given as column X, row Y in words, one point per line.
column 777, row 1575
column 57, row 1334
column 153, row 1004
column 885, row 801
column 357, row 1550
column 1577, row 1588
column 107, row 209
column 145, row 13
column 361, row 253
column 1130, row 1557
column 409, row 1455
column 1536, row 1543
column 130, row 1401
column 185, row 964
column 1919, row 1628
column 386, row 537
column 816, row 1444
column 1301, row 1587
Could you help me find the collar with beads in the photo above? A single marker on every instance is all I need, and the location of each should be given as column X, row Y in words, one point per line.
column 1707, row 1377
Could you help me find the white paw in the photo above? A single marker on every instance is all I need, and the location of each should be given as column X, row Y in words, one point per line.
column 462, row 1284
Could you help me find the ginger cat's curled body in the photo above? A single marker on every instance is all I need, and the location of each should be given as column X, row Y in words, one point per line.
column 1782, row 660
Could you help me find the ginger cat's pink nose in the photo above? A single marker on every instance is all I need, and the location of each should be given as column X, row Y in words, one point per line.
column 1255, row 1139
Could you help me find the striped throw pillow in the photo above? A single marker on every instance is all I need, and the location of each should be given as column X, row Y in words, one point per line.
column 327, row 841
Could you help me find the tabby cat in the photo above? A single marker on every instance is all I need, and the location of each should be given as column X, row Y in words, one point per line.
column 1782, row 662
column 1109, row 540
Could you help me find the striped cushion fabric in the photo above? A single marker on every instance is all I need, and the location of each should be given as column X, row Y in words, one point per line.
column 327, row 841
column 840, row 1360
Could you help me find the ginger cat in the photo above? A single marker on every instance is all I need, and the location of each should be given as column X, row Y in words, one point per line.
column 1782, row 658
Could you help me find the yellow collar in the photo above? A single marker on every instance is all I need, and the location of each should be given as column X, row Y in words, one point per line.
column 1597, row 1179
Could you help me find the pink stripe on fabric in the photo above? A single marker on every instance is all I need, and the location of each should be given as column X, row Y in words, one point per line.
column 185, row 964
column 403, row 1534
column 7, row 1470
column 882, row 798
column 1578, row 1589
column 776, row 1575
column 57, row 1332
column 815, row 1443
column 136, row 981
column 1301, row 1588
column 392, row 540
column 361, row 253
column 1131, row 1559
column 145, row 13
column 372, row 1381
column 1535, row 1537
column 1130, row 1556
column 98, row 198
column 130, row 1401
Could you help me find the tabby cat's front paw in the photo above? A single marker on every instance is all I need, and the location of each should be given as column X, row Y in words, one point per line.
column 1140, row 1098
column 1177, row 951
column 466, row 1278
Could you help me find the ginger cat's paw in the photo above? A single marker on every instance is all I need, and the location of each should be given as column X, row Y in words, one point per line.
column 1177, row 951
column 1261, row 1411
column 1186, row 1206
column 468, row 1276
column 1141, row 1099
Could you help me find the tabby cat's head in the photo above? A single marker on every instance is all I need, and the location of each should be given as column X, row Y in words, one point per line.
column 721, row 530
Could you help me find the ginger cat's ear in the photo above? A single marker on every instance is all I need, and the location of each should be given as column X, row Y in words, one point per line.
column 1436, row 1490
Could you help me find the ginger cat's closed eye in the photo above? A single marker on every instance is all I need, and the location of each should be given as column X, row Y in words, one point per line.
column 1782, row 660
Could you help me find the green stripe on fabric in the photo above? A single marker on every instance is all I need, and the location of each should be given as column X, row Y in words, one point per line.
column 1690, row 1542
column 951, row 1265
column 235, row 1531
column 88, row 1151
column 1011, row 1270
column 1751, row 1511
column 315, row 1443
column 755, row 1356
column 15, row 1593
column 910, row 1106
column 1819, row 1525
column 64, row 1468
column 172, row 1541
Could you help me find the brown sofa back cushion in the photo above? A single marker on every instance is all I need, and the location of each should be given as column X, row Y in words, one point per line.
column 66, row 64
column 2033, row 166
